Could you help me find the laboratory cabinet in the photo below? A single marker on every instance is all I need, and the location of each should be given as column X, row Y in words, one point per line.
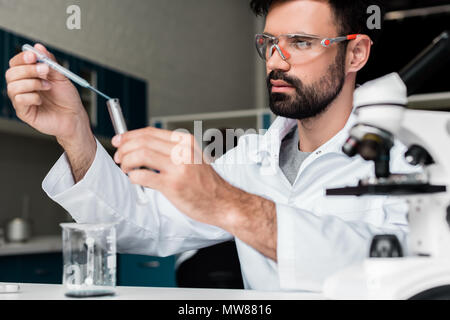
column 145, row 271
column 132, row 270
column 131, row 91
column 32, row 268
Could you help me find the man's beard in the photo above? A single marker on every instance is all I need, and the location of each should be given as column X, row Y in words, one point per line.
column 308, row 101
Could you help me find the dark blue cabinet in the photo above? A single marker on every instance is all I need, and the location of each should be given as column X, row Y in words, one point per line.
column 131, row 91
column 10, row 269
column 145, row 271
column 4, row 64
column 10, row 44
column 33, row 268
column 43, row 268
column 132, row 270
column 136, row 103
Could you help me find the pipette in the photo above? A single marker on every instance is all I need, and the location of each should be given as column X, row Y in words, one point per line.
column 114, row 108
column 57, row 67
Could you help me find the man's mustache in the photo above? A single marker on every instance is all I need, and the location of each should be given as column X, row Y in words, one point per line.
column 279, row 75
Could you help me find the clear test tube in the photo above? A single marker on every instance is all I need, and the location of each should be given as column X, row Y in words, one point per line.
column 120, row 127
column 115, row 112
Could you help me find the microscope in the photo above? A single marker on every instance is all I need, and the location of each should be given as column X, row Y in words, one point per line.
column 383, row 115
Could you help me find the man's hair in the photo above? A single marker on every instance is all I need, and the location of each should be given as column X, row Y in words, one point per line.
column 351, row 15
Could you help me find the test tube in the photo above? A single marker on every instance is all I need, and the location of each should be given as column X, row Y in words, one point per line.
column 120, row 127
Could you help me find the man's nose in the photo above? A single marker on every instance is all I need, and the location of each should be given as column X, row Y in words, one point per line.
column 276, row 61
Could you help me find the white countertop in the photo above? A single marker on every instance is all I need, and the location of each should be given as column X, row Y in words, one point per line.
column 43, row 244
column 56, row 292
column 49, row 244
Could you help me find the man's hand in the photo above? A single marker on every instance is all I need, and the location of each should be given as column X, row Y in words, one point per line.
column 189, row 182
column 195, row 189
column 50, row 103
column 43, row 98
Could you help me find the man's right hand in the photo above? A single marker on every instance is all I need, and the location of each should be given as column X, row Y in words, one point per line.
column 50, row 103
column 43, row 98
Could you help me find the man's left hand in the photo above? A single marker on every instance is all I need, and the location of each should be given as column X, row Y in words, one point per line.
column 185, row 176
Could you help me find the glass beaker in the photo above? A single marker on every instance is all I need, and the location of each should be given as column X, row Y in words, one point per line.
column 89, row 256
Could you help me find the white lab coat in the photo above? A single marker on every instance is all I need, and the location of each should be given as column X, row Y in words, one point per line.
column 317, row 235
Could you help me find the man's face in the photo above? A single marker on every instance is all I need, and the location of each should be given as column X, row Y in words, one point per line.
column 304, row 88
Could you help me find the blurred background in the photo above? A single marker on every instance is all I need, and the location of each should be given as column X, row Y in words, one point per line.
column 171, row 62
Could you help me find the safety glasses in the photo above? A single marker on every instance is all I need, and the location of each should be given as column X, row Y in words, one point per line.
column 295, row 46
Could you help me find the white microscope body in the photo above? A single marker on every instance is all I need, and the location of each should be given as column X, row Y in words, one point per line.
column 425, row 271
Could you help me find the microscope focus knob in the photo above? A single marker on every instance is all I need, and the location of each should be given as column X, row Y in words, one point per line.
column 386, row 246
column 418, row 155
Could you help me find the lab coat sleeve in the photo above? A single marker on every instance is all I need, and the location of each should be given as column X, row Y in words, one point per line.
column 105, row 194
column 310, row 248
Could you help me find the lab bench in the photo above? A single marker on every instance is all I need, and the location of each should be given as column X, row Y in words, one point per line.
column 39, row 260
column 56, row 292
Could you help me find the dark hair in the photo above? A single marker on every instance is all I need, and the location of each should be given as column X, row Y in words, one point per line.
column 351, row 15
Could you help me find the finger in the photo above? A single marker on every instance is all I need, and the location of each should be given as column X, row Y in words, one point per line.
column 27, row 86
column 149, row 131
column 53, row 74
column 44, row 50
column 156, row 144
column 23, row 58
column 145, row 158
column 39, row 70
column 24, row 101
column 146, row 178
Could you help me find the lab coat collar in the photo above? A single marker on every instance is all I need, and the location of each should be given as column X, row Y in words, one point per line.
column 268, row 151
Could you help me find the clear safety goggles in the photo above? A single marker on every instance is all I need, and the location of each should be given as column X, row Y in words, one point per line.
column 295, row 46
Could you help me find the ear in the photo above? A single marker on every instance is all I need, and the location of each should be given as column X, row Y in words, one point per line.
column 358, row 53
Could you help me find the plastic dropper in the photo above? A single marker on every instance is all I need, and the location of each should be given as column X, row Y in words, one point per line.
column 57, row 67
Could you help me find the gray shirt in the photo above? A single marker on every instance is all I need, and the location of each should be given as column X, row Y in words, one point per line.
column 291, row 157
